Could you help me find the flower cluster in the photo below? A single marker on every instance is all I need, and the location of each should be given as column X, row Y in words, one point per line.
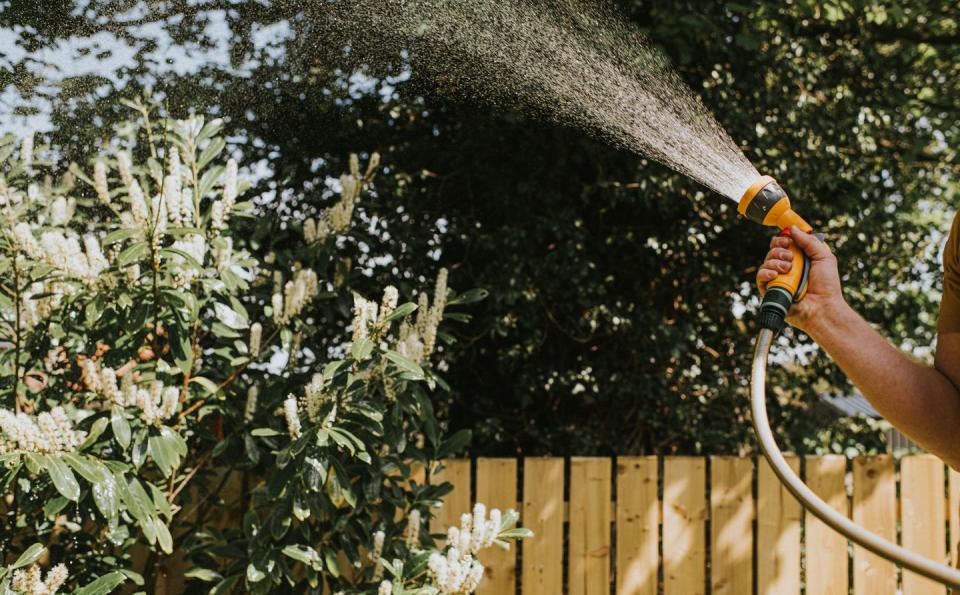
column 297, row 293
column 337, row 218
column 155, row 401
column 417, row 341
column 457, row 571
column 292, row 417
column 30, row 581
column 49, row 432
column 63, row 252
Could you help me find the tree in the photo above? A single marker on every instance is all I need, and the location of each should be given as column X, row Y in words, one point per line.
column 614, row 321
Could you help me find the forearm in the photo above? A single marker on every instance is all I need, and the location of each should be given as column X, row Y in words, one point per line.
column 919, row 400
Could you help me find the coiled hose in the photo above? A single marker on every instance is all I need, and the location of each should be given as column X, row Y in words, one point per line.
column 910, row 560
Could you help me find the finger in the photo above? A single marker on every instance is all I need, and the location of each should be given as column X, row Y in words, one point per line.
column 765, row 276
column 781, row 266
column 779, row 254
column 809, row 243
column 779, row 242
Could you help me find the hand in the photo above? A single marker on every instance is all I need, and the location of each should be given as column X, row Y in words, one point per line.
column 823, row 285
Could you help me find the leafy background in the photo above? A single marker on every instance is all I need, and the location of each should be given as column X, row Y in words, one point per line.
column 615, row 285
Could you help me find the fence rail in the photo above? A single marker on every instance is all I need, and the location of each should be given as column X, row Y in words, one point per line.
column 695, row 525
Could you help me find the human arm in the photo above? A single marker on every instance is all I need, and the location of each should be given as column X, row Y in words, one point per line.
column 922, row 401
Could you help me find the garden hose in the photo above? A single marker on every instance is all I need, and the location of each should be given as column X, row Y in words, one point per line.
column 774, row 209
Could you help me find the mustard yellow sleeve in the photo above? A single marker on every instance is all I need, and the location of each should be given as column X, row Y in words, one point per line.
column 949, row 321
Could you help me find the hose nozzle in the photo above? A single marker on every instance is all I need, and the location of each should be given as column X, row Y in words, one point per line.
column 766, row 203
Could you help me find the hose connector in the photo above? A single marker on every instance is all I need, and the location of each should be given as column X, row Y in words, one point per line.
column 773, row 310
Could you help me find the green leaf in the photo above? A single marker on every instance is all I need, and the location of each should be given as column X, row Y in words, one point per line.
column 118, row 235
column 226, row 585
column 264, row 432
column 469, row 297
column 190, row 260
column 203, row 574
column 121, row 428
column 163, row 455
column 85, row 467
column 53, row 506
column 211, row 151
column 330, row 370
column 96, row 430
column 330, row 558
column 210, row 386
column 454, row 444
column 103, row 585
column 106, row 498
column 132, row 253
column 361, row 350
column 402, row 311
column 303, row 553
column 63, row 478
column 404, row 364
column 163, row 536
column 31, row 555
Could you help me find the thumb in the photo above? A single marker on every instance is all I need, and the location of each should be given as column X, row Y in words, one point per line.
column 809, row 243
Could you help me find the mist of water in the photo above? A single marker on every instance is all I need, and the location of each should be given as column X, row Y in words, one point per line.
column 572, row 61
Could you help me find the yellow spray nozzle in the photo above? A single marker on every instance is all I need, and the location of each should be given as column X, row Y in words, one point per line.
column 766, row 203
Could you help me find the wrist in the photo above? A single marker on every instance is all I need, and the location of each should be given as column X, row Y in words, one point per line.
column 827, row 319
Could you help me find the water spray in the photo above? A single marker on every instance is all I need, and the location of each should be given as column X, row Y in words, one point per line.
column 766, row 203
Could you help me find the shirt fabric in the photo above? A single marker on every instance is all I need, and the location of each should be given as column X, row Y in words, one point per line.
column 949, row 320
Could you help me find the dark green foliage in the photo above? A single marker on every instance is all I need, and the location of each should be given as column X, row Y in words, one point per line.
column 609, row 326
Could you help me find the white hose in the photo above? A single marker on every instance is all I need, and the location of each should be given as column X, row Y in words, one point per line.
column 823, row 511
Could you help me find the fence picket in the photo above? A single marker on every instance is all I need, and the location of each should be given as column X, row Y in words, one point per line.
column 589, row 554
column 778, row 533
column 731, row 525
column 922, row 517
column 684, row 513
column 638, row 518
column 497, row 488
column 826, row 550
column 542, row 568
column 874, row 507
column 457, row 502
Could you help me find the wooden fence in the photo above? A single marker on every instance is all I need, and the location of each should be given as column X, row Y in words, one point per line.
column 694, row 525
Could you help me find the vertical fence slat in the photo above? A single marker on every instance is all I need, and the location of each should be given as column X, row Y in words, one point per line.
column 826, row 550
column 684, row 513
column 542, row 570
column 922, row 517
column 731, row 525
column 953, row 513
column 638, row 518
column 778, row 533
column 457, row 502
column 874, row 507
column 589, row 565
column 497, row 488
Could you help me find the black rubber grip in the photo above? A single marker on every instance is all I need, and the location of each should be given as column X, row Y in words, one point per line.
column 773, row 310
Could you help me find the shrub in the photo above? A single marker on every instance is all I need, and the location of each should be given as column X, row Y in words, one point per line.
column 154, row 348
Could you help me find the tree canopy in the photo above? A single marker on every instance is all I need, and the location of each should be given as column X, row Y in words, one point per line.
column 620, row 293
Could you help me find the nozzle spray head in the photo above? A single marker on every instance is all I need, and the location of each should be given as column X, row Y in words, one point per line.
column 766, row 203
